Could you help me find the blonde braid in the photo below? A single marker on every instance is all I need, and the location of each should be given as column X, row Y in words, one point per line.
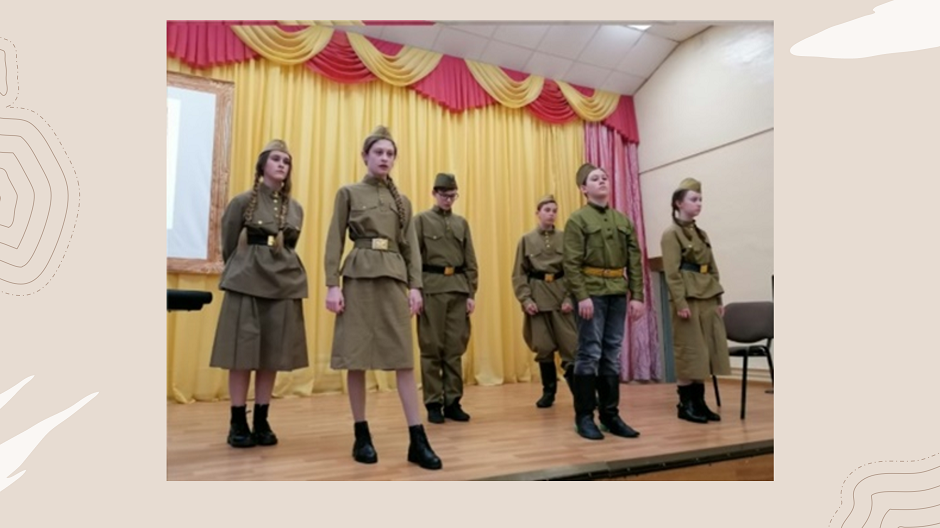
column 253, row 203
column 399, row 205
column 249, row 214
column 282, row 220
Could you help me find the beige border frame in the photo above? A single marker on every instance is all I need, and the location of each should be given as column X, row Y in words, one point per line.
column 221, row 154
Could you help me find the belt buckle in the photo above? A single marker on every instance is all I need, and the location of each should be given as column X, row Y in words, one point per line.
column 270, row 240
column 703, row 268
column 448, row 270
column 380, row 243
column 549, row 277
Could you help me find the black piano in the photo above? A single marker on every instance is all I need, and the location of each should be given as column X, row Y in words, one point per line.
column 188, row 300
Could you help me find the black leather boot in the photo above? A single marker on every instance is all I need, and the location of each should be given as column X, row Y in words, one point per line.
column 363, row 450
column 686, row 405
column 435, row 414
column 585, row 400
column 700, row 405
column 262, row 433
column 455, row 412
column 608, row 399
column 419, row 450
column 569, row 374
column 239, row 435
column 549, row 384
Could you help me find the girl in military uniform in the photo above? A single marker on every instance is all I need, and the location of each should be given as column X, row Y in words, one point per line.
column 549, row 321
column 381, row 290
column 700, row 346
column 261, row 322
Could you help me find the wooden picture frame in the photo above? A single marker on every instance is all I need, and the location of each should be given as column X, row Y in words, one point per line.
column 221, row 154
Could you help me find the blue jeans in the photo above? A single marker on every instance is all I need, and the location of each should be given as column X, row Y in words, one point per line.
column 600, row 338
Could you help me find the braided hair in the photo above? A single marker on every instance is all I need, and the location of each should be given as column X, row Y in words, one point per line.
column 253, row 201
column 378, row 134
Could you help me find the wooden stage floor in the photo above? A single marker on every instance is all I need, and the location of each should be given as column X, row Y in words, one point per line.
column 508, row 438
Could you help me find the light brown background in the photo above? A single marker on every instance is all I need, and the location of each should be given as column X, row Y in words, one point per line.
column 856, row 157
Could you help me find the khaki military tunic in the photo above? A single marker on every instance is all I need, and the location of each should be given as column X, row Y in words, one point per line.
column 700, row 345
column 444, row 324
column 261, row 322
column 549, row 329
column 602, row 237
column 374, row 330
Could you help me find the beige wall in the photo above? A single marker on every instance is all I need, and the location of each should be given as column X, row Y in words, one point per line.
column 708, row 113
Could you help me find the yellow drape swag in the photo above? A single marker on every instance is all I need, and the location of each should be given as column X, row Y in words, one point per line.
column 509, row 93
column 321, row 22
column 283, row 47
column 409, row 66
column 595, row 108
column 504, row 160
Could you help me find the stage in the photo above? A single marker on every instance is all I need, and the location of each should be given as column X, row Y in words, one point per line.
column 508, row 438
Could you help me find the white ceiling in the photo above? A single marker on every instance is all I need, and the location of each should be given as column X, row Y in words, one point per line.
column 604, row 56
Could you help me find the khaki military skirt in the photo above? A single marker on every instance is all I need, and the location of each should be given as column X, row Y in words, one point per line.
column 259, row 334
column 700, row 345
column 374, row 330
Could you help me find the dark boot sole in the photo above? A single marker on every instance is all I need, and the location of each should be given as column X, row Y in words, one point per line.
column 425, row 465
column 693, row 419
column 364, row 460
column 244, row 444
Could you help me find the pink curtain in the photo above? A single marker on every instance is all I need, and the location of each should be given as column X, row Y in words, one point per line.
column 606, row 148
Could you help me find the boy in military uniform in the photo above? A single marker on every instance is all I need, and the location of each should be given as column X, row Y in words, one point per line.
column 450, row 283
column 599, row 243
column 549, row 322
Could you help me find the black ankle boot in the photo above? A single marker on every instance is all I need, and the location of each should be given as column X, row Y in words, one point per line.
column 363, row 450
column 686, row 405
column 239, row 435
column 549, row 384
column 262, row 434
column 585, row 400
column 608, row 399
column 700, row 405
column 455, row 412
column 419, row 450
column 435, row 414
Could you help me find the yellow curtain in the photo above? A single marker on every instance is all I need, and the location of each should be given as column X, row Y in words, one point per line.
column 409, row 66
column 509, row 93
column 504, row 160
column 282, row 47
column 595, row 108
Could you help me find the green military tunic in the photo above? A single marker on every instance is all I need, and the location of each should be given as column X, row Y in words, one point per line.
column 549, row 329
column 444, row 324
column 700, row 344
column 261, row 322
column 603, row 238
column 374, row 330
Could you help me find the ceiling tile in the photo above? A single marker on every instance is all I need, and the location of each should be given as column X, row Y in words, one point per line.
column 483, row 30
column 502, row 54
column 678, row 31
column 460, row 44
column 527, row 36
column 418, row 36
column 622, row 83
column 586, row 75
column 609, row 46
column 548, row 66
column 567, row 40
column 648, row 53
